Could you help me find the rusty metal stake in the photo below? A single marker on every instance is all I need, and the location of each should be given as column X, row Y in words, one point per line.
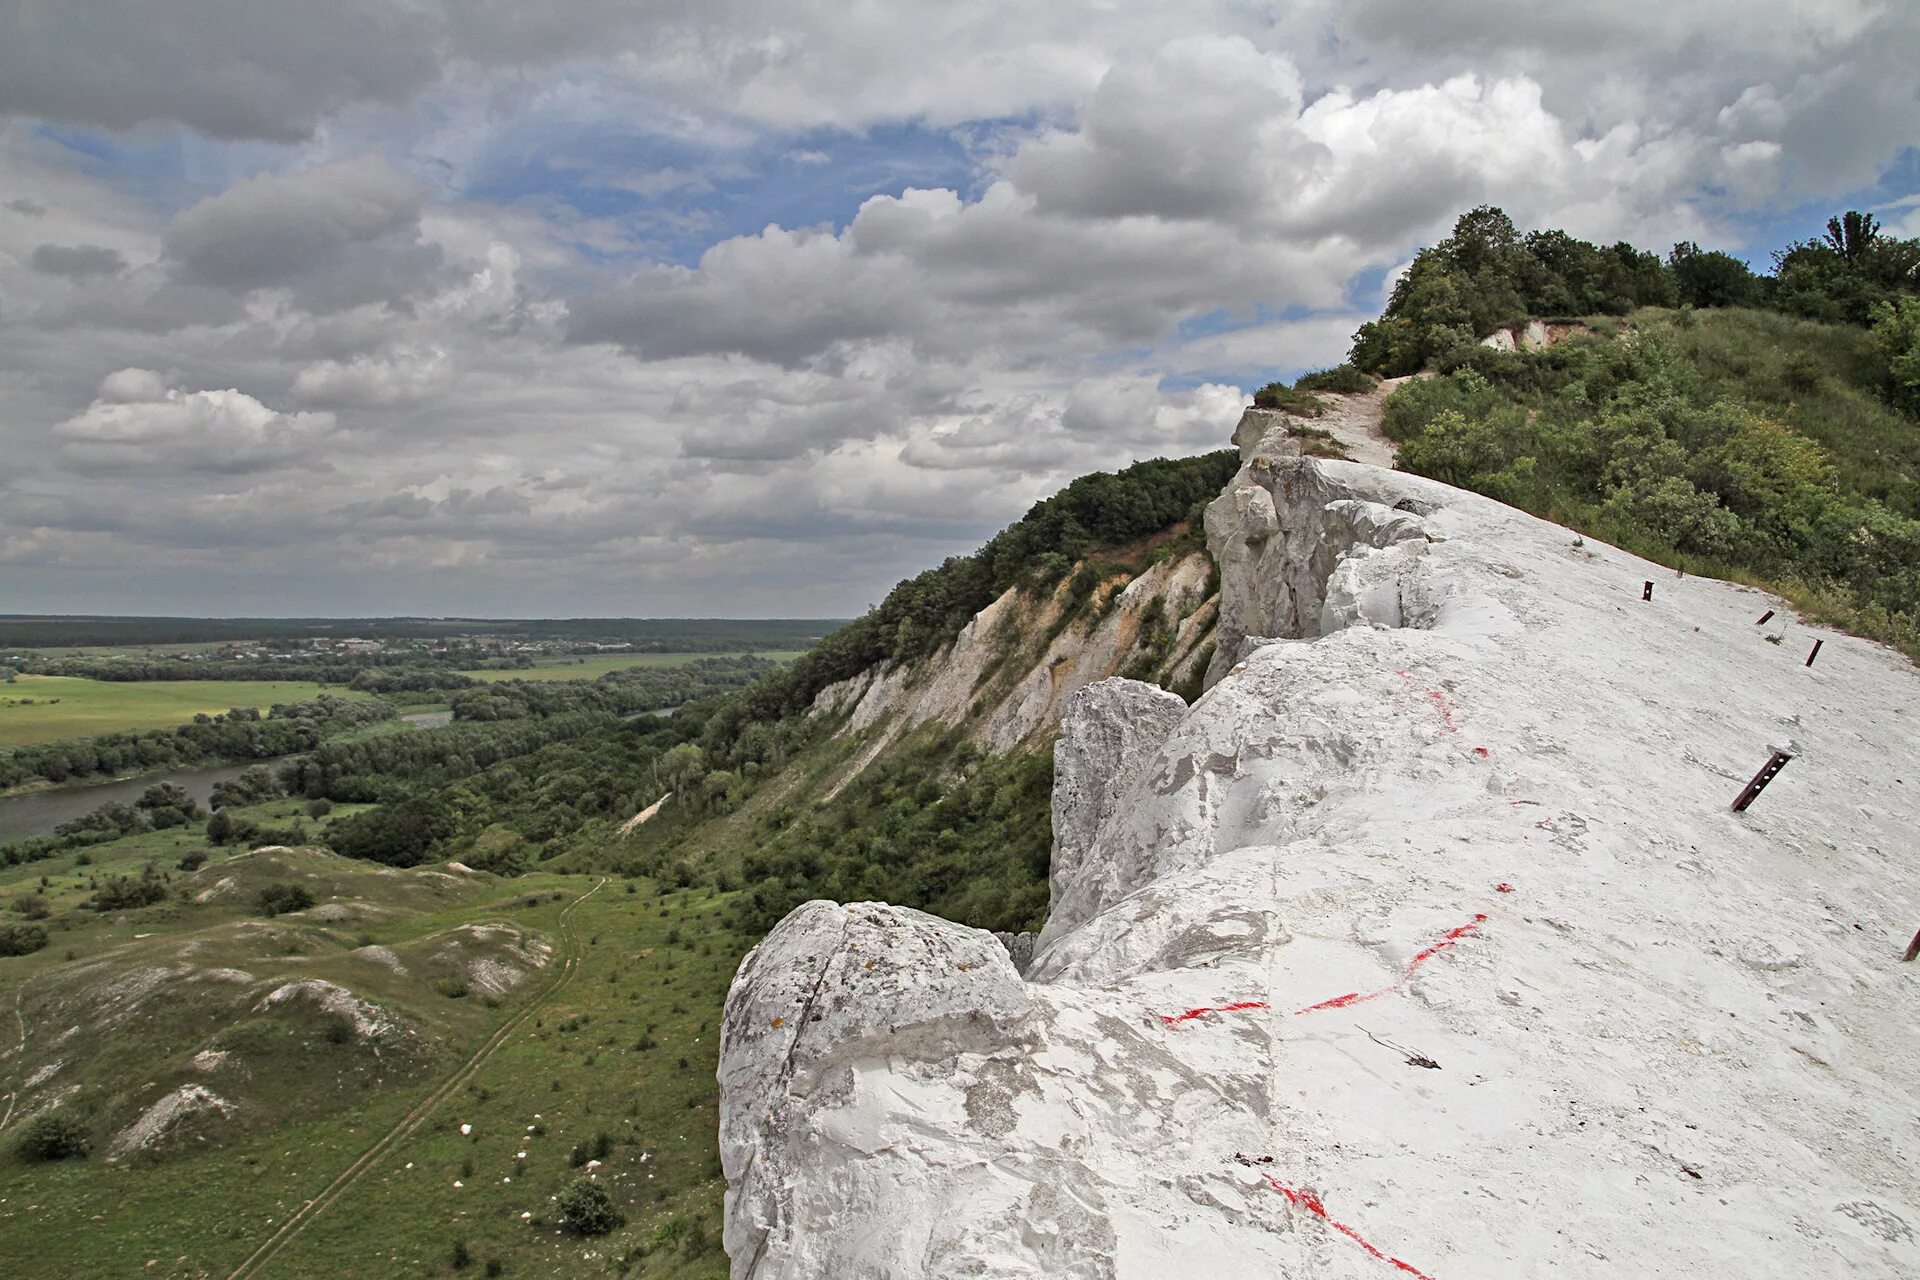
column 1768, row 772
column 1913, row 948
column 1816, row 651
column 1761, row 620
column 1646, row 591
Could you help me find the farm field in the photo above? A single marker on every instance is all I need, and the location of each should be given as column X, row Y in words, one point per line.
column 587, row 668
column 36, row 709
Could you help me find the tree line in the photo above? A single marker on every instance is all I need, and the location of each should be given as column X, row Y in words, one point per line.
column 239, row 734
column 1488, row 276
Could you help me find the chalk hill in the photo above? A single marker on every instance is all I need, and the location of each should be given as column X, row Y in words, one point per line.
column 1424, row 943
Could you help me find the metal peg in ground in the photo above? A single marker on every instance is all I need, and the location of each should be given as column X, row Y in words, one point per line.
column 1768, row 771
column 1646, row 590
column 1762, row 619
column 1816, row 651
column 1913, row 948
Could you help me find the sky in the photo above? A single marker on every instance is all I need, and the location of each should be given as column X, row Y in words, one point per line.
column 753, row 307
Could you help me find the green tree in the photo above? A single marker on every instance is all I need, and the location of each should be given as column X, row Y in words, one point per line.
column 1896, row 335
column 587, row 1209
column 1710, row 278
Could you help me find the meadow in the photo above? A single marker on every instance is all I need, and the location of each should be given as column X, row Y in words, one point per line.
column 36, row 709
column 587, row 668
column 608, row 1054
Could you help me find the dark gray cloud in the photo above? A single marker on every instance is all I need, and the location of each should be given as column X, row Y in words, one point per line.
column 77, row 260
column 27, row 208
column 338, row 235
column 265, row 69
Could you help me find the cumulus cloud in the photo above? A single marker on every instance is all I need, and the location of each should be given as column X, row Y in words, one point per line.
column 460, row 262
column 138, row 424
column 337, row 234
column 1198, row 179
column 406, row 376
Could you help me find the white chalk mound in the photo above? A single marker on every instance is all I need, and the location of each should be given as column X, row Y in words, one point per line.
column 1425, row 944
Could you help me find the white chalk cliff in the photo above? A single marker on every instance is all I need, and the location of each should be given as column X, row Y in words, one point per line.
column 1425, row 943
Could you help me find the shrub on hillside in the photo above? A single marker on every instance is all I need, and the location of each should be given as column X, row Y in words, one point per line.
column 21, row 939
column 587, row 1209
column 1343, row 378
column 55, row 1135
column 1896, row 334
column 124, row 893
column 1278, row 395
column 278, row 899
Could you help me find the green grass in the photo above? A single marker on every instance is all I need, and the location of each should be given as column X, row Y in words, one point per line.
column 627, row 1047
column 35, row 709
column 1824, row 379
column 587, row 668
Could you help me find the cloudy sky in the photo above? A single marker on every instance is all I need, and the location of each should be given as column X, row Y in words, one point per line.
column 750, row 308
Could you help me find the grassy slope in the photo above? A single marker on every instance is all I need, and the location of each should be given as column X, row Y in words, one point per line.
column 588, row 667
column 1822, row 378
column 654, row 968
column 1823, row 381
column 88, row 707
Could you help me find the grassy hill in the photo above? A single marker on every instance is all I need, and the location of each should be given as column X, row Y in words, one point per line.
column 334, row 1054
column 1733, row 442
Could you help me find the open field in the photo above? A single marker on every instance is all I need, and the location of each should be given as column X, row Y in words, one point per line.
column 612, row 1054
column 48, row 708
column 588, row 667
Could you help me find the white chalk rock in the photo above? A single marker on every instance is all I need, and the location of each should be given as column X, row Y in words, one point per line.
column 1424, row 943
column 832, row 993
column 1109, row 728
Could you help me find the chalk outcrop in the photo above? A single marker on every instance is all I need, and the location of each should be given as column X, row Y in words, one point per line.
column 1425, row 943
column 1010, row 672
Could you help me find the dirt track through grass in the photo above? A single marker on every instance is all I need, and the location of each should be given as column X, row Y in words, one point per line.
column 312, row 1209
column 18, row 1053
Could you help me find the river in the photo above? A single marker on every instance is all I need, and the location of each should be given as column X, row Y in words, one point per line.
column 37, row 813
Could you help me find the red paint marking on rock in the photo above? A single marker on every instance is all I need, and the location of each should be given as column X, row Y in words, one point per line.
column 1481, row 752
column 1303, row 1199
column 1172, row 1018
column 1351, row 998
column 1503, row 887
column 1453, row 936
column 1346, row 1001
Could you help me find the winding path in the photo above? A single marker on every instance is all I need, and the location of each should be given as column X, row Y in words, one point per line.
column 301, row 1219
column 18, row 1052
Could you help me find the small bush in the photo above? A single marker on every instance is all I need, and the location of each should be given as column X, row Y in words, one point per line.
column 1342, row 378
column 21, row 939
column 55, row 1135
column 1278, row 395
column 278, row 899
column 587, row 1209
column 462, row 1256
column 193, row 860
column 32, row 906
column 121, row 893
